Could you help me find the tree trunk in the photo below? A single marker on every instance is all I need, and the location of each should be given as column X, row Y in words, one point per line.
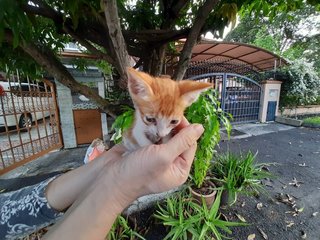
column 157, row 60
column 122, row 60
column 194, row 33
column 48, row 61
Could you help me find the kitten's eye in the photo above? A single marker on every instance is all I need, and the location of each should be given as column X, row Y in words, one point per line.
column 174, row 122
column 150, row 119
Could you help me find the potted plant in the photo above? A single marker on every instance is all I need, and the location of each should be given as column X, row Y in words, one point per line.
column 188, row 220
column 206, row 111
column 238, row 173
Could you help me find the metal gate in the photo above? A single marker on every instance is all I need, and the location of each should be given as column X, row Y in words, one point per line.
column 239, row 95
column 29, row 122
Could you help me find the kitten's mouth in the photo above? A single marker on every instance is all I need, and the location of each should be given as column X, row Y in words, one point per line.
column 154, row 139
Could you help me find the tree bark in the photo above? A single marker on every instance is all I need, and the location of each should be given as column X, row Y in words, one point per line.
column 194, row 33
column 122, row 60
column 157, row 60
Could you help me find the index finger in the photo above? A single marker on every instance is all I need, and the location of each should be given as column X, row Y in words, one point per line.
column 183, row 123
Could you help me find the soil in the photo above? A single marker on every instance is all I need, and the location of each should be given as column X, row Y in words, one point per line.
column 206, row 188
column 290, row 209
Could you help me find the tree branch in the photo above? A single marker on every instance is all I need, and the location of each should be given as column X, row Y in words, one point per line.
column 117, row 40
column 156, row 36
column 49, row 61
column 194, row 33
column 90, row 47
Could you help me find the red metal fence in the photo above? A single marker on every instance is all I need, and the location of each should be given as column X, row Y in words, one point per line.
column 29, row 122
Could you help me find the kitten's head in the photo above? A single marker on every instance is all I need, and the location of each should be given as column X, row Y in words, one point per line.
column 161, row 101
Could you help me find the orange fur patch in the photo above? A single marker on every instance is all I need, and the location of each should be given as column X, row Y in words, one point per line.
column 165, row 99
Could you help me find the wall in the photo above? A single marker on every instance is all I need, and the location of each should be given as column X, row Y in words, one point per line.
column 64, row 99
column 69, row 101
column 300, row 110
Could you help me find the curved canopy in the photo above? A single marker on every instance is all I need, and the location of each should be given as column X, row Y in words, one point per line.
column 257, row 59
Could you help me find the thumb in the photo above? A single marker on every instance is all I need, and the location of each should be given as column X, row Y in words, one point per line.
column 183, row 140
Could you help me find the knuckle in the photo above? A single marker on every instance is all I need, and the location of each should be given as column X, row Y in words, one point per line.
column 188, row 141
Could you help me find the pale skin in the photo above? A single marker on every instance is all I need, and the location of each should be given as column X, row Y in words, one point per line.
column 99, row 191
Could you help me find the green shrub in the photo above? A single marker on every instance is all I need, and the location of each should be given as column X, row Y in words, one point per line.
column 312, row 121
column 239, row 173
column 121, row 230
column 122, row 123
column 206, row 111
column 188, row 220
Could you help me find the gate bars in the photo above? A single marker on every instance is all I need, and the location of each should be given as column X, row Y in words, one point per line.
column 29, row 122
column 239, row 95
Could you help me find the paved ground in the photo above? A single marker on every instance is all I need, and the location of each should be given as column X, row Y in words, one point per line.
column 297, row 154
column 42, row 168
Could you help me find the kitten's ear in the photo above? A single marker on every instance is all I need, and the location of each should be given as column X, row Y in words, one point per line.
column 139, row 84
column 190, row 90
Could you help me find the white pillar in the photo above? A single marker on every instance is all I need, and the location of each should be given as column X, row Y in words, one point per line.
column 270, row 92
column 66, row 116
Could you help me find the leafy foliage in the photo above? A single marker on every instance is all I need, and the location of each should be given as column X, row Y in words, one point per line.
column 122, row 123
column 301, row 84
column 312, row 121
column 49, row 24
column 239, row 174
column 290, row 34
column 121, row 230
column 186, row 218
column 206, row 111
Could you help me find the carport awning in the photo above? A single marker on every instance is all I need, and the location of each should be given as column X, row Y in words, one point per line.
column 237, row 54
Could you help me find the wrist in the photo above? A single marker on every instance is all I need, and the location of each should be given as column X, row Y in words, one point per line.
column 114, row 186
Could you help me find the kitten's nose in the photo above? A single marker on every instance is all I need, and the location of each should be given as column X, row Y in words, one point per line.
column 160, row 134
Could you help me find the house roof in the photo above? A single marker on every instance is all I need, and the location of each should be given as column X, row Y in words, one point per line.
column 235, row 53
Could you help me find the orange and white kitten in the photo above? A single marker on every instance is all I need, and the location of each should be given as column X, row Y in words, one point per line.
column 159, row 106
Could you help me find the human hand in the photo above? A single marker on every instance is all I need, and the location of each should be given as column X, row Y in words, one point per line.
column 157, row 168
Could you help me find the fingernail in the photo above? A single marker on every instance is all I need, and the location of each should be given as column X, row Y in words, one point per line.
column 199, row 128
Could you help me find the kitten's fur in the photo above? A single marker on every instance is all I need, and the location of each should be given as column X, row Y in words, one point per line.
column 159, row 105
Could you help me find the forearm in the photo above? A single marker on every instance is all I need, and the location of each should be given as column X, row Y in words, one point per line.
column 65, row 189
column 93, row 214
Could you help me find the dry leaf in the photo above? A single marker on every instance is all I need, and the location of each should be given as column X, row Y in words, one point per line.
column 303, row 165
column 224, row 216
column 300, row 210
column 315, row 214
column 264, row 235
column 2, row 190
column 240, row 218
column 289, row 224
column 243, row 204
column 296, row 211
column 251, row 237
column 259, row 206
column 295, row 183
column 303, row 234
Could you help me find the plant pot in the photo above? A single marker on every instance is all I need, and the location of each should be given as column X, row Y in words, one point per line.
column 208, row 198
column 227, row 200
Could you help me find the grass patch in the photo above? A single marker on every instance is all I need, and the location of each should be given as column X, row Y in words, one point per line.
column 312, row 120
